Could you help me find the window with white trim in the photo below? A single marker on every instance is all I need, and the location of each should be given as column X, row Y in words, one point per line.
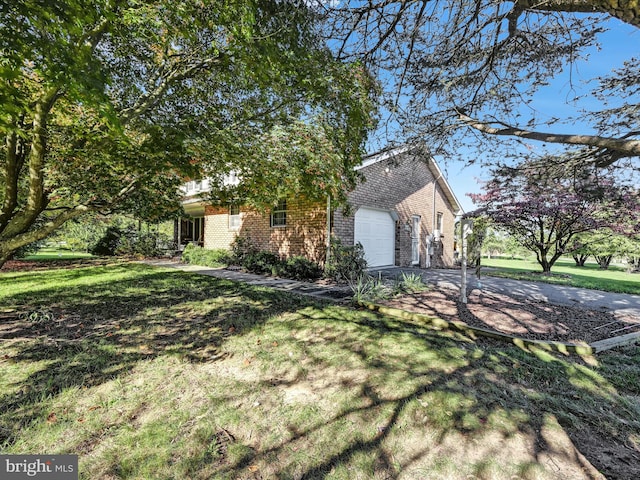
column 234, row 217
column 279, row 214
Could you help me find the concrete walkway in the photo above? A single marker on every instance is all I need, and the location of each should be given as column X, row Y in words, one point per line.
column 318, row 290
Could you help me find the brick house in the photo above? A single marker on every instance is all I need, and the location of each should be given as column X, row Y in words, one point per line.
column 403, row 213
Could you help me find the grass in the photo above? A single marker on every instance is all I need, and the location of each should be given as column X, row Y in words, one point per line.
column 564, row 272
column 150, row 373
column 48, row 254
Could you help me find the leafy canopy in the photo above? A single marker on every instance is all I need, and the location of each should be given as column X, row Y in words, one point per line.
column 544, row 209
column 108, row 105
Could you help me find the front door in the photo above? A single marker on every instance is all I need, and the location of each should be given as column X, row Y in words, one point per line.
column 415, row 240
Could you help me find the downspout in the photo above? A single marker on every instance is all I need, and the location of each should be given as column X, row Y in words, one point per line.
column 328, row 239
column 435, row 187
column 433, row 236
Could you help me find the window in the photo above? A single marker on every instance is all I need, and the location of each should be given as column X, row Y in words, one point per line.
column 234, row 217
column 279, row 214
column 437, row 234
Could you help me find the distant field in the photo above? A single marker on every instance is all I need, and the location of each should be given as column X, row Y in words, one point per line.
column 564, row 272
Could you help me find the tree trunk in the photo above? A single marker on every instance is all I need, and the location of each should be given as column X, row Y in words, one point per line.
column 4, row 256
column 604, row 261
column 580, row 259
column 545, row 264
column 10, row 245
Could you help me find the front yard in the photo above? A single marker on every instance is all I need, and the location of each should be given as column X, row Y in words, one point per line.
column 150, row 373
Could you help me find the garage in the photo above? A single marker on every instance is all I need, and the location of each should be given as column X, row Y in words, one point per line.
column 375, row 230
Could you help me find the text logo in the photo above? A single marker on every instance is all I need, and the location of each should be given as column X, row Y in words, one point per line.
column 45, row 467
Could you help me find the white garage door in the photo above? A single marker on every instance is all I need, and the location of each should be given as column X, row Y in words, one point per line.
column 375, row 230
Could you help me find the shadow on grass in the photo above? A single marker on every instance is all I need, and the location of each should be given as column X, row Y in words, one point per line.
column 105, row 321
column 90, row 325
column 519, row 316
column 461, row 391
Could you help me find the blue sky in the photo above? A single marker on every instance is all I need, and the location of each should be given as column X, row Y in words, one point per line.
column 620, row 43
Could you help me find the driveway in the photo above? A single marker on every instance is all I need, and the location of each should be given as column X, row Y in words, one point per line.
column 545, row 292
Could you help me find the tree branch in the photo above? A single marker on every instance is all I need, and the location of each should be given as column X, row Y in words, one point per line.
column 149, row 100
column 628, row 12
column 621, row 147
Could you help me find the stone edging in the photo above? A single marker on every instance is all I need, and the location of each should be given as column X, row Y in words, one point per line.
column 458, row 325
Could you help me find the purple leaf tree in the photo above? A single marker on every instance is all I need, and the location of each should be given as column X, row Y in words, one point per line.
column 545, row 208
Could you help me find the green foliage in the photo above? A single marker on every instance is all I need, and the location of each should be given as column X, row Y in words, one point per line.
column 117, row 241
column 300, row 268
column 366, row 288
column 28, row 249
column 195, row 255
column 250, row 258
column 614, row 279
column 135, row 97
column 475, row 242
column 145, row 244
column 108, row 243
column 241, row 247
column 81, row 234
column 261, row 262
column 346, row 263
column 410, row 283
column 545, row 206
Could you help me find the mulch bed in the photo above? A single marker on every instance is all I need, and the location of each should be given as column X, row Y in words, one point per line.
column 39, row 265
column 533, row 320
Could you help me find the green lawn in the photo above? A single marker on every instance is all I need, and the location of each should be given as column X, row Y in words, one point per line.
column 565, row 272
column 47, row 254
column 149, row 373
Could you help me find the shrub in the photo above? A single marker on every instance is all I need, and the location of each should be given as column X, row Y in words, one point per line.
column 116, row 241
column 300, row 268
column 196, row 255
column 245, row 253
column 410, row 283
column 345, row 263
column 261, row 262
column 366, row 288
column 148, row 244
column 241, row 247
column 108, row 243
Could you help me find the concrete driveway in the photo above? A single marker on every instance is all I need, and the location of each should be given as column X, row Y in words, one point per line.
column 556, row 294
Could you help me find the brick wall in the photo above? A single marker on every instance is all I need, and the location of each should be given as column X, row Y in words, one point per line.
column 304, row 234
column 217, row 233
column 404, row 185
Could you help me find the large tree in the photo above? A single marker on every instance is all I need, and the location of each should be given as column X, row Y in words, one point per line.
column 474, row 66
column 546, row 209
column 108, row 105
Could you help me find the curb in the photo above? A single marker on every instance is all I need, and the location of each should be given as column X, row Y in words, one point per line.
column 460, row 326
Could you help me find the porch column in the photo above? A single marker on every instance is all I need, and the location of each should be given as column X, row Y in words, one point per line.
column 179, row 233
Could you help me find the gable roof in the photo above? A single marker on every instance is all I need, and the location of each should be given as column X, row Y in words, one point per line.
column 397, row 153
